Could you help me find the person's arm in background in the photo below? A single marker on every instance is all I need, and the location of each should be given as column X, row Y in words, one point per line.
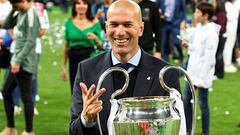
column 11, row 20
column 1, row 23
column 45, row 25
column 97, row 36
column 65, row 59
column 65, row 53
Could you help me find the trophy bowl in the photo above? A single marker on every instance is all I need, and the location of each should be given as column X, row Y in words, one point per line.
column 150, row 115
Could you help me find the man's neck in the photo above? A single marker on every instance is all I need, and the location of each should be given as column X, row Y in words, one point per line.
column 124, row 58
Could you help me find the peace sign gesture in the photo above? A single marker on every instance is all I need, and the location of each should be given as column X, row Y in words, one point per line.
column 91, row 104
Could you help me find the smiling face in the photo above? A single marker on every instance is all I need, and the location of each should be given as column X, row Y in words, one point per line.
column 81, row 7
column 124, row 26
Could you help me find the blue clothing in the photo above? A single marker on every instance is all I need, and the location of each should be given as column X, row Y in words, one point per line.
column 174, row 13
column 100, row 6
column 179, row 12
column 169, row 9
column 169, row 30
column 7, row 40
column 203, row 102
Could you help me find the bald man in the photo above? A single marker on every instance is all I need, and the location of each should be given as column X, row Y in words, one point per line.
column 124, row 26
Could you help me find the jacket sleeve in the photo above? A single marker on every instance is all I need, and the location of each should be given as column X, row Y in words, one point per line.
column 208, row 60
column 76, row 125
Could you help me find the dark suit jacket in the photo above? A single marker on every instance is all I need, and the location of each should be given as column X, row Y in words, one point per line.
column 89, row 72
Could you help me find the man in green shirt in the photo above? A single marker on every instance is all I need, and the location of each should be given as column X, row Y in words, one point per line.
column 23, row 65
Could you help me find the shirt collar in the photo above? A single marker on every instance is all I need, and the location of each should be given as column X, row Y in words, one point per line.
column 134, row 60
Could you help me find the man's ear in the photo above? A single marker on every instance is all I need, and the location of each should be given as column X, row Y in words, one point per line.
column 141, row 29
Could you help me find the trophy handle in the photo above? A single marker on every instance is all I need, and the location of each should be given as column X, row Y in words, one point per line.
column 117, row 92
column 170, row 90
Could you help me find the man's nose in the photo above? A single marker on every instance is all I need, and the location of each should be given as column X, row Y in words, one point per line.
column 120, row 30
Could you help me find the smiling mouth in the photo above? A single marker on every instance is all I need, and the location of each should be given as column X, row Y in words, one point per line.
column 121, row 41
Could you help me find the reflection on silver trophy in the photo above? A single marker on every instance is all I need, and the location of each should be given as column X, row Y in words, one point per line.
column 150, row 115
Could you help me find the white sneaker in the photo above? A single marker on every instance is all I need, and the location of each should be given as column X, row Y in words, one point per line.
column 17, row 110
column 37, row 98
column 215, row 77
column 238, row 61
column 230, row 69
column 1, row 97
column 36, row 111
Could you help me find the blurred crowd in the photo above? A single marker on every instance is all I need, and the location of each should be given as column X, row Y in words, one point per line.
column 171, row 29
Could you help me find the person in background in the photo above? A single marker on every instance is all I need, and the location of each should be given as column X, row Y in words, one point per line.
column 187, row 36
column 151, row 37
column 64, row 4
column 99, row 10
column 23, row 65
column 174, row 15
column 238, row 41
column 231, row 31
column 82, row 35
column 124, row 26
column 201, row 64
column 221, row 19
column 44, row 22
column 6, row 8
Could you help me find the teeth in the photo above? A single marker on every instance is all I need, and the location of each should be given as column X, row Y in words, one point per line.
column 121, row 40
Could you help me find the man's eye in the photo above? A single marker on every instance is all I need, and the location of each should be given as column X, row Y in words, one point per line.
column 113, row 25
column 128, row 25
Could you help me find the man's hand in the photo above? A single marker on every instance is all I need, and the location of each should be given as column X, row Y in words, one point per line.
column 15, row 68
column 91, row 104
column 157, row 55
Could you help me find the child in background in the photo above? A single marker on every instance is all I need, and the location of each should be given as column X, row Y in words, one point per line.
column 201, row 63
column 44, row 22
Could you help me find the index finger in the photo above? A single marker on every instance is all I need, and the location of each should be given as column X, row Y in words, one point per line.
column 84, row 88
column 97, row 94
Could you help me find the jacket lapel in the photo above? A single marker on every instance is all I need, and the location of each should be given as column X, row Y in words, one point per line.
column 107, row 82
column 145, row 76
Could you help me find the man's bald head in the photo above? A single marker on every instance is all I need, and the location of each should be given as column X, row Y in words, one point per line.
column 126, row 5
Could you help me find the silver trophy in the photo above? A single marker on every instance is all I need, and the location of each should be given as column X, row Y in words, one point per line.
column 150, row 115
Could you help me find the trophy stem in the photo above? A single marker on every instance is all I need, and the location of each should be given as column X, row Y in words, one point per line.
column 117, row 92
column 170, row 90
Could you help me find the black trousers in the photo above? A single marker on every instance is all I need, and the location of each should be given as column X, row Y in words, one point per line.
column 219, row 66
column 24, row 80
column 76, row 55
